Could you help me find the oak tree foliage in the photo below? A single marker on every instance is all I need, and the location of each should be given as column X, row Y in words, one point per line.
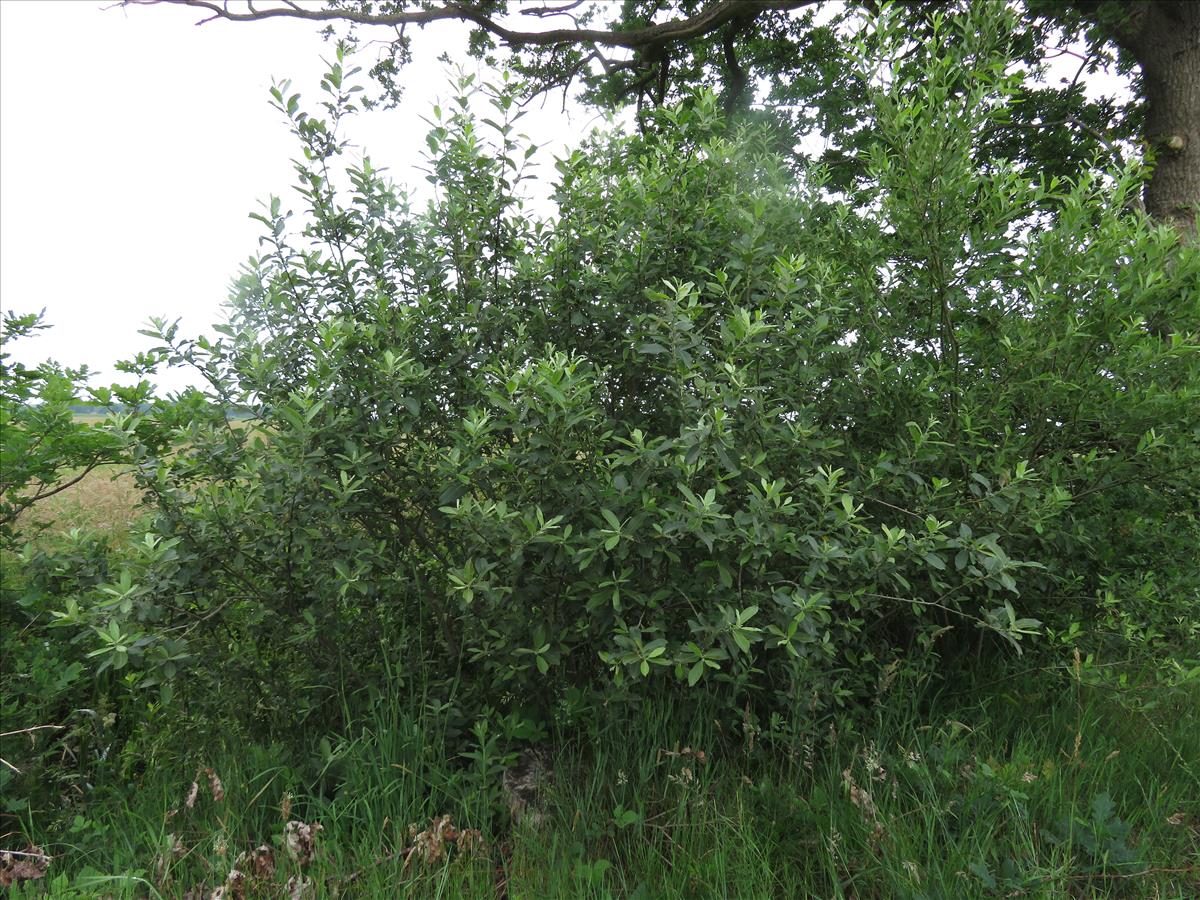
column 790, row 61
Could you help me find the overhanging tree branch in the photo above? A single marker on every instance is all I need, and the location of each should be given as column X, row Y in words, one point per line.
column 1161, row 36
column 709, row 19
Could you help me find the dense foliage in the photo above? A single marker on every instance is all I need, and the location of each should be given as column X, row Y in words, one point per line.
column 710, row 427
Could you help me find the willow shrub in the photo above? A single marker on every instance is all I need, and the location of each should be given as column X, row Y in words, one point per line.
column 711, row 426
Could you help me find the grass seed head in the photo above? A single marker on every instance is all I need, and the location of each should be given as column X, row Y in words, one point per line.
column 214, row 785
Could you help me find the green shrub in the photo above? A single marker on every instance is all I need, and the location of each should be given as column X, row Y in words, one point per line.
column 713, row 426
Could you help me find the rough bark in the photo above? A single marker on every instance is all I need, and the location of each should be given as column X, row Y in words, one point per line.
column 1164, row 36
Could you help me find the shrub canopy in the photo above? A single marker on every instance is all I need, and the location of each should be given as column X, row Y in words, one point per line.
column 713, row 425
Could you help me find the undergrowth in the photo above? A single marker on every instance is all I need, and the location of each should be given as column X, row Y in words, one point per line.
column 1030, row 786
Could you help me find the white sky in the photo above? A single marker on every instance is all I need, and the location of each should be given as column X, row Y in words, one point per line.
column 133, row 145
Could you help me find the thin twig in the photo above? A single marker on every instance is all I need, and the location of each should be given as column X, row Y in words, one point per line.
column 27, row 730
column 46, row 856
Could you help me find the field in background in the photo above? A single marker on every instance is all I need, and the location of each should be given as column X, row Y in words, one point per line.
column 105, row 500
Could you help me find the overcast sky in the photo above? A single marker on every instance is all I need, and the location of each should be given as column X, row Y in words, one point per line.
column 133, row 145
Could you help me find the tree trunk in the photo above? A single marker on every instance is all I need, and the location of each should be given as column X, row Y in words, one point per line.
column 1164, row 36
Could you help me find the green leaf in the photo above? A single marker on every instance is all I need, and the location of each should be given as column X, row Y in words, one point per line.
column 935, row 561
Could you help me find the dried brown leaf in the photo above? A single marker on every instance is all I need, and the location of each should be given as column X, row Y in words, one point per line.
column 865, row 803
column 300, row 839
column 259, row 862
column 300, row 888
column 234, row 887
column 470, row 842
column 172, row 850
column 22, row 865
column 431, row 845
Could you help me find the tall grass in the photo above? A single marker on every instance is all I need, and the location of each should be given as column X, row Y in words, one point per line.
column 1035, row 785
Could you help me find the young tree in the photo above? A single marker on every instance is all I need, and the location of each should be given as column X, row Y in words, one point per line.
column 651, row 49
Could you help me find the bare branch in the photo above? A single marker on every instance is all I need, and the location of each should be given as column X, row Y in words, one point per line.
column 42, row 493
column 738, row 79
column 27, row 853
column 545, row 11
column 704, row 22
column 29, row 730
